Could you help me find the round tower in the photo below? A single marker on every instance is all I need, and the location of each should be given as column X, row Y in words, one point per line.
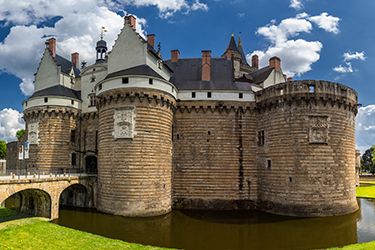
column 135, row 144
column 306, row 148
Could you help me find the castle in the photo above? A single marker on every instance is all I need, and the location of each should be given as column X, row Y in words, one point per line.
column 193, row 133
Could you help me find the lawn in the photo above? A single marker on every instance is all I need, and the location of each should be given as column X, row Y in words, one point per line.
column 360, row 246
column 366, row 192
column 37, row 233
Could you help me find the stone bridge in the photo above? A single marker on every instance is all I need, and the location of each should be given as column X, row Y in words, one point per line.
column 42, row 196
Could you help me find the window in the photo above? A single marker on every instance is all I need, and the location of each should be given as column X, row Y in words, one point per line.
column 208, row 132
column 92, row 101
column 178, row 137
column 150, row 81
column 311, row 89
column 125, row 80
column 73, row 136
column 74, row 159
column 240, row 95
column 45, row 99
column 25, row 103
column 209, row 94
column 192, row 94
column 72, row 102
column 269, row 163
column 261, row 138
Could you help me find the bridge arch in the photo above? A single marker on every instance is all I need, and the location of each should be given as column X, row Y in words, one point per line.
column 74, row 195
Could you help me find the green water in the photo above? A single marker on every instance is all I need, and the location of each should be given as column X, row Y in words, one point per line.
column 229, row 229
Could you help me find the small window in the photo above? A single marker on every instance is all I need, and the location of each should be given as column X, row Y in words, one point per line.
column 269, row 163
column 150, row 81
column 100, row 87
column 261, row 138
column 240, row 95
column 125, row 80
column 92, row 101
column 178, row 137
column 209, row 94
column 208, row 132
column 93, row 69
column 311, row 89
column 25, row 103
column 45, row 99
column 73, row 136
column 192, row 94
column 72, row 80
column 72, row 102
column 74, row 159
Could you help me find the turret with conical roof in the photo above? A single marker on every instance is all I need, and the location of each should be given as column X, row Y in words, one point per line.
column 101, row 49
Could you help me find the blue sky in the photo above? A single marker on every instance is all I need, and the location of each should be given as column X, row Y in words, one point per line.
column 318, row 40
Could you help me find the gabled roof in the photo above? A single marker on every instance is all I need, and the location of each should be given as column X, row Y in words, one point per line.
column 188, row 75
column 66, row 66
column 58, row 90
column 143, row 70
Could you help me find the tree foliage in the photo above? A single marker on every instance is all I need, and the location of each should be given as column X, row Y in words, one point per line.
column 3, row 149
column 366, row 160
column 20, row 133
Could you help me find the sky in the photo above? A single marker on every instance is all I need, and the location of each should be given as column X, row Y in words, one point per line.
column 318, row 40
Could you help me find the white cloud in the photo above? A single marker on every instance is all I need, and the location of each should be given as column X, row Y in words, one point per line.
column 356, row 55
column 365, row 126
column 343, row 69
column 328, row 23
column 10, row 122
column 199, row 6
column 27, row 86
column 296, row 4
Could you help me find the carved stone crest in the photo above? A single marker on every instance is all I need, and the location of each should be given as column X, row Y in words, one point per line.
column 33, row 132
column 124, row 122
column 318, row 129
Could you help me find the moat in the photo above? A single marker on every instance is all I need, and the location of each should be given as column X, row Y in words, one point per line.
column 229, row 229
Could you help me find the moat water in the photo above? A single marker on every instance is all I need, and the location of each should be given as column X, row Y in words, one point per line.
column 229, row 229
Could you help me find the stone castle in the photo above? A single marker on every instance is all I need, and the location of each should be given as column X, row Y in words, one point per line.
column 193, row 133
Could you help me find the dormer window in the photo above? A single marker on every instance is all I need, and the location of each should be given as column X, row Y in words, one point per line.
column 92, row 100
column 150, row 81
column 45, row 99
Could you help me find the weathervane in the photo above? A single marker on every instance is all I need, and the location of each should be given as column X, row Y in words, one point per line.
column 102, row 32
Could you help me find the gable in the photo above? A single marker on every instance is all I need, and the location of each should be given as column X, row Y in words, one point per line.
column 48, row 73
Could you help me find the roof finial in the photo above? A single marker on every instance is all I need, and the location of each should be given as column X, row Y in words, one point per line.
column 232, row 34
column 239, row 39
column 102, row 32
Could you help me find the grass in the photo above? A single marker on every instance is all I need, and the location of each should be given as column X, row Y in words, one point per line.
column 37, row 233
column 360, row 246
column 366, row 192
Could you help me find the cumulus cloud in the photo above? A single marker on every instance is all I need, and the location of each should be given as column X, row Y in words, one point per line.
column 365, row 128
column 356, row 55
column 297, row 55
column 10, row 122
column 343, row 69
column 296, row 4
column 326, row 22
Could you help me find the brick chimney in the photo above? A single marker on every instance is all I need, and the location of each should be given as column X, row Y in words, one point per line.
column 275, row 63
column 229, row 54
column 52, row 46
column 175, row 55
column 290, row 79
column 206, row 65
column 255, row 61
column 151, row 40
column 75, row 59
column 130, row 20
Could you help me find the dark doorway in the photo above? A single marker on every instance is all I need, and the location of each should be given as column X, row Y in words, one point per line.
column 91, row 165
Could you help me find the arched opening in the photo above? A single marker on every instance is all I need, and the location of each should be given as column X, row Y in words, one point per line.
column 91, row 164
column 33, row 202
column 74, row 196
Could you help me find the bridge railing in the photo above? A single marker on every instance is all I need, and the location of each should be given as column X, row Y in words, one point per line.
column 37, row 174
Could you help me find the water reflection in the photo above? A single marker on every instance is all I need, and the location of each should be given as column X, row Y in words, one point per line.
column 229, row 229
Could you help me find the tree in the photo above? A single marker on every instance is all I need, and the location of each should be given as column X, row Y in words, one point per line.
column 366, row 160
column 3, row 149
column 20, row 133
column 372, row 168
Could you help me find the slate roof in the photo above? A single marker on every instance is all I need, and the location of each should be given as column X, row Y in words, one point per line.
column 188, row 75
column 243, row 57
column 66, row 66
column 260, row 75
column 58, row 90
column 144, row 70
column 232, row 44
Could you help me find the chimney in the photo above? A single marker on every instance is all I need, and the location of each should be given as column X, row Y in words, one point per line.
column 206, row 65
column 75, row 59
column 130, row 20
column 175, row 55
column 52, row 46
column 290, row 79
column 275, row 63
column 229, row 54
column 151, row 40
column 255, row 61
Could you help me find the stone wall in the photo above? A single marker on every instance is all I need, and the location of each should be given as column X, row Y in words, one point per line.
column 89, row 139
column 3, row 165
column 306, row 166
column 214, row 155
column 135, row 152
column 54, row 149
column 12, row 155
